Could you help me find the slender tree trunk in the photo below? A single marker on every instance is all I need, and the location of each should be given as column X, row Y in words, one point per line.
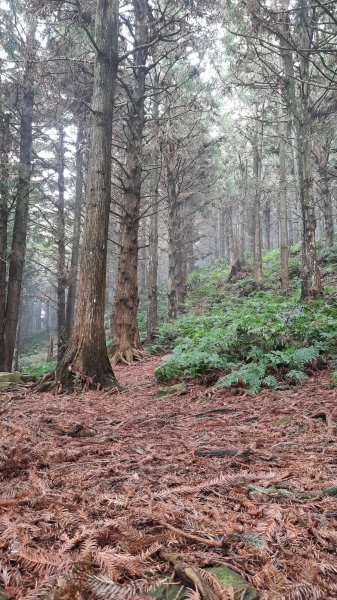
column 143, row 257
column 241, row 211
column 18, row 340
column 190, row 239
column 257, row 208
column 283, row 216
column 18, row 248
column 177, row 282
column 267, row 225
column 4, row 178
column 86, row 355
column 327, row 206
column 75, row 253
column 221, row 217
column 61, row 256
column 152, row 312
column 126, row 344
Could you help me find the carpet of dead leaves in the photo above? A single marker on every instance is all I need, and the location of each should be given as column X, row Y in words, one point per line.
column 113, row 480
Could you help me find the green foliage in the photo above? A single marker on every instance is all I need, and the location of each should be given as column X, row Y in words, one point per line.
column 39, row 369
column 260, row 339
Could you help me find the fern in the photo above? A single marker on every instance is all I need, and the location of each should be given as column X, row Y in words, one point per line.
column 296, row 375
column 250, row 375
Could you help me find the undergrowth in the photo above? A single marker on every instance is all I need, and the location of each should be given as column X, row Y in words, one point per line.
column 254, row 337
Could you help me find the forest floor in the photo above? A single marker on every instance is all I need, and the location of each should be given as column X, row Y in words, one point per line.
column 116, row 479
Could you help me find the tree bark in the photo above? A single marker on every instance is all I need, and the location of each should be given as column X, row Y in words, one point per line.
column 86, row 355
column 61, row 255
column 126, row 344
column 257, row 251
column 177, row 283
column 267, row 225
column 4, row 179
column 142, row 259
column 152, row 311
column 327, row 208
column 221, row 219
column 18, row 247
column 283, row 216
column 300, row 110
column 75, row 253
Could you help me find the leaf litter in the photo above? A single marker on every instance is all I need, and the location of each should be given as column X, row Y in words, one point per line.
column 96, row 489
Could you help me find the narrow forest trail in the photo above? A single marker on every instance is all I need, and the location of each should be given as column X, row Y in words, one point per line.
column 107, row 477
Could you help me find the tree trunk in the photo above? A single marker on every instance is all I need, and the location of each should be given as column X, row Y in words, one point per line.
column 4, row 179
column 152, row 311
column 86, row 355
column 257, row 251
column 310, row 274
column 300, row 110
column 18, row 248
column 126, row 344
column 267, row 225
column 221, row 219
column 75, row 253
column 177, row 283
column 61, row 256
column 241, row 211
column 324, row 186
column 283, row 217
column 142, row 259
column 327, row 209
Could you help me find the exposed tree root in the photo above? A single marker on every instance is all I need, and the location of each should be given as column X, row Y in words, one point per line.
column 81, row 370
column 47, row 383
column 127, row 356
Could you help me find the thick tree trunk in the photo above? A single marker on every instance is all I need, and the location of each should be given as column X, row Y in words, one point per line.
column 126, row 344
column 18, row 248
column 75, row 252
column 300, row 110
column 86, row 355
column 61, row 255
column 310, row 274
column 4, row 178
column 283, row 216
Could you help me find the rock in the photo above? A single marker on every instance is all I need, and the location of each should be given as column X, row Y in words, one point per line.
column 10, row 377
column 173, row 389
column 230, row 579
column 281, row 421
column 221, row 452
column 241, row 589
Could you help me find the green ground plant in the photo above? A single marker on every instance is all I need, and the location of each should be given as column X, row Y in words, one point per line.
column 255, row 338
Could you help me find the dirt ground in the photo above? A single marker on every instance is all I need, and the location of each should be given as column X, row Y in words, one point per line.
column 107, row 482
